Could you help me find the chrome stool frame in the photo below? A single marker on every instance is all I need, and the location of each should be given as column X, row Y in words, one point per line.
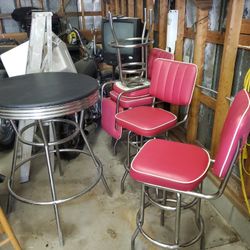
column 197, row 195
column 46, row 145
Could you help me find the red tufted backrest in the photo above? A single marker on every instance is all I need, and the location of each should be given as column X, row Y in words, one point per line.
column 157, row 53
column 173, row 81
column 236, row 127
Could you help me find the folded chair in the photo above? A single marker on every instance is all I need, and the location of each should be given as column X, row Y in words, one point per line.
column 171, row 82
column 180, row 169
column 121, row 97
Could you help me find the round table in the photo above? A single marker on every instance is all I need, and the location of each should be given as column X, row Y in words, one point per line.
column 45, row 98
column 46, row 95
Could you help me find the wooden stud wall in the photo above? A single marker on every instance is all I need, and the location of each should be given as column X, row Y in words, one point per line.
column 237, row 35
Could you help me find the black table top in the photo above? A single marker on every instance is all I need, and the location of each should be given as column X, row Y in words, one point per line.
column 45, row 89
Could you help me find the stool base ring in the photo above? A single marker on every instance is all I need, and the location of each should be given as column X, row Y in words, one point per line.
column 83, row 191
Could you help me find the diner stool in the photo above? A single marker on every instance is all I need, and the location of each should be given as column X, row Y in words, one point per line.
column 6, row 229
column 46, row 98
column 180, row 169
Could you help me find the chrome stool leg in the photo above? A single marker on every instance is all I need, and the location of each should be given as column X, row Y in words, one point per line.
column 126, row 164
column 115, row 145
column 140, row 218
column 164, row 200
column 199, row 221
column 57, row 150
column 97, row 162
column 12, row 173
column 178, row 218
column 52, row 183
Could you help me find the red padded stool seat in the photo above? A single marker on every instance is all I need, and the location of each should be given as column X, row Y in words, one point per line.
column 154, row 122
column 131, row 100
column 140, row 92
column 167, row 164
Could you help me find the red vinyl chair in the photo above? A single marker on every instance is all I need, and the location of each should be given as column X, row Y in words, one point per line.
column 172, row 82
column 180, row 168
column 121, row 97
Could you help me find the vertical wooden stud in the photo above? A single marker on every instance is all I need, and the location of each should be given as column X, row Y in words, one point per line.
column 199, row 55
column 103, row 8
column 163, row 13
column 234, row 19
column 150, row 5
column 139, row 9
column 1, row 26
column 41, row 4
column 116, row 2
column 181, row 7
column 124, row 8
column 112, row 6
column 83, row 15
column 18, row 3
column 131, row 8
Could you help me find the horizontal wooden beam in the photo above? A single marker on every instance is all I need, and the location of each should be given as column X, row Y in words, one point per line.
column 212, row 36
column 5, row 16
column 204, row 4
column 208, row 101
column 244, row 40
column 86, row 13
column 20, row 37
column 245, row 26
column 218, row 37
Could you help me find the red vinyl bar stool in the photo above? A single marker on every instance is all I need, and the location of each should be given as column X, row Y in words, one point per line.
column 180, row 169
column 121, row 98
column 171, row 82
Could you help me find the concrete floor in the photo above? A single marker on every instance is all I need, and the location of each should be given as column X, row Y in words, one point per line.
column 96, row 221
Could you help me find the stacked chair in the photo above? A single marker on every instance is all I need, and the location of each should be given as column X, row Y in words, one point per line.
column 121, row 98
column 132, row 88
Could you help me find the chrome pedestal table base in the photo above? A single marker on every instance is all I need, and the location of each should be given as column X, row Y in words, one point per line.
column 77, row 92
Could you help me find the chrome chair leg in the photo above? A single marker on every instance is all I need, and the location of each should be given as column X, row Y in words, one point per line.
column 126, row 164
column 140, row 217
column 12, row 174
column 199, row 221
column 164, row 200
column 52, row 183
column 115, row 145
column 97, row 162
column 177, row 218
column 123, row 181
column 57, row 150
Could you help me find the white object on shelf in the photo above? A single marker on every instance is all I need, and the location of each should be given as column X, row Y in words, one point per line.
column 172, row 29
